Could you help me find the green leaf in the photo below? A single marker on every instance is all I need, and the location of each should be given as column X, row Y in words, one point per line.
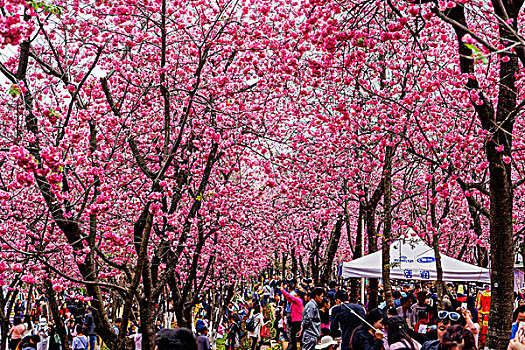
column 14, row 91
column 477, row 54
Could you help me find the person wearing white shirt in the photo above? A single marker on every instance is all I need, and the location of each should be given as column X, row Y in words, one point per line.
column 255, row 335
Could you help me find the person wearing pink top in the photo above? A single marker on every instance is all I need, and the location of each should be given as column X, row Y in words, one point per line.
column 296, row 311
column 16, row 333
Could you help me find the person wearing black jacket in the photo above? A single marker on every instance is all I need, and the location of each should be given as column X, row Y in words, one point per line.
column 366, row 338
column 233, row 336
column 343, row 321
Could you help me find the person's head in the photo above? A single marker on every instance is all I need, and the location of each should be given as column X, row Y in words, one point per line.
column 300, row 294
column 118, row 321
column 175, row 339
column 521, row 302
column 81, row 329
column 34, row 339
column 520, row 314
column 317, row 295
column 17, row 321
column 421, row 298
column 406, row 302
column 292, row 284
column 376, row 318
column 204, row 330
column 332, row 284
column 341, row 295
column 391, row 312
column 447, row 319
column 257, row 309
column 396, row 294
column 397, row 330
column 457, row 337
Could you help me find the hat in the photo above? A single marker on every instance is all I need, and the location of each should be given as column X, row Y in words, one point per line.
column 326, row 341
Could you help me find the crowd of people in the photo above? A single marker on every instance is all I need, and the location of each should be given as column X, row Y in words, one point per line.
column 33, row 329
column 332, row 318
column 299, row 314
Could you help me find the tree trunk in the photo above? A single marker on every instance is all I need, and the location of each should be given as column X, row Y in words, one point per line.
column 285, row 260
column 53, row 305
column 312, row 261
column 331, row 251
column 294, row 262
column 148, row 313
column 502, row 193
column 387, row 230
column 6, row 304
column 440, row 285
column 355, row 282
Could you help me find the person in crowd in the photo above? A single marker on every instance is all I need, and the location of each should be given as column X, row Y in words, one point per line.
column 446, row 319
column 203, row 343
column 296, row 313
column 71, row 329
column 327, row 343
column 366, row 338
column 42, row 330
column 471, row 306
column 175, row 339
column 80, row 341
column 16, row 333
column 278, row 323
column 332, row 290
column 19, row 309
column 266, row 291
column 517, row 316
column 137, row 338
column 256, row 297
column 233, row 337
column 30, row 342
column 28, row 324
column 457, row 337
column 158, row 326
column 344, row 322
column 312, row 320
column 117, row 325
column 420, row 310
column 324, row 313
column 255, row 335
column 446, row 304
column 470, row 324
column 90, row 325
column 405, row 310
column 396, row 295
column 397, row 335
column 55, row 343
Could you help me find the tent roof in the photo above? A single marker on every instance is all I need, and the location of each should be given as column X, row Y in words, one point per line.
column 412, row 259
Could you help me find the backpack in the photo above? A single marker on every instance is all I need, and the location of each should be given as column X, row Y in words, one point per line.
column 251, row 324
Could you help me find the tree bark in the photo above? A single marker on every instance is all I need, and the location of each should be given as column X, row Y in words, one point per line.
column 387, row 230
column 331, row 251
column 53, row 305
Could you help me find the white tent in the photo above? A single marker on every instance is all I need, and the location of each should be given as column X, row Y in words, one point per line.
column 412, row 259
